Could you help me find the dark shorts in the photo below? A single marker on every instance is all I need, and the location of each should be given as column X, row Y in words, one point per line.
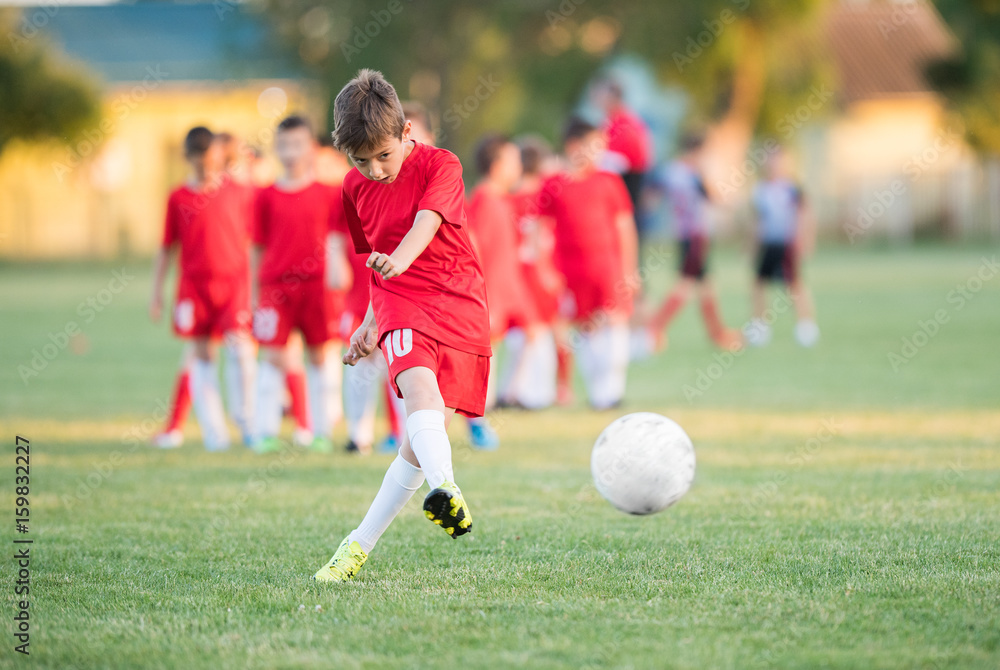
column 633, row 184
column 777, row 262
column 694, row 256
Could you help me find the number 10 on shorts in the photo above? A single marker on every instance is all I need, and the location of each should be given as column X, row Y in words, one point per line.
column 399, row 343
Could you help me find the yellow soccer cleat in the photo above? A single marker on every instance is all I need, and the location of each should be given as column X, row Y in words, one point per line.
column 344, row 564
column 446, row 507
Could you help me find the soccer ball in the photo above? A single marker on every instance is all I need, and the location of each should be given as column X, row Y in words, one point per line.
column 642, row 463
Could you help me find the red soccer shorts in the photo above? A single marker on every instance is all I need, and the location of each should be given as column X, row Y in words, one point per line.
column 282, row 306
column 211, row 307
column 591, row 297
column 461, row 376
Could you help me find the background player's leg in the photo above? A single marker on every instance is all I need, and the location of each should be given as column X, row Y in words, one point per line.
column 717, row 331
column 671, row 305
column 806, row 330
column 323, row 379
column 270, row 380
column 180, row 404
column 361, row 384
column 240, row 374
column 611, row 353
column 295, row 382
column 758, row 332
column 206, row 398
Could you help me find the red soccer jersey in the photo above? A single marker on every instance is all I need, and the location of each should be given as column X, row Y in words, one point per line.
column 585, row 210
column 211, row 228
column 442, row 294
column 493, row 222
column 628, row 135
column 292, row 227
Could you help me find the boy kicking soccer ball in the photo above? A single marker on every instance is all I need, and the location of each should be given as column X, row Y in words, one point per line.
column 405, row 207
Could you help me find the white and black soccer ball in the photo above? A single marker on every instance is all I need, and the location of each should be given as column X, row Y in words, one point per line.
column 642, row 463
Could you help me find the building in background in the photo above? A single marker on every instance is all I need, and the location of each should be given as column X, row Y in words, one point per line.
column 165, row 68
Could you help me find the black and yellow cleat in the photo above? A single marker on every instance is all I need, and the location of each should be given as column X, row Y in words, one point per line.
column 446, row 507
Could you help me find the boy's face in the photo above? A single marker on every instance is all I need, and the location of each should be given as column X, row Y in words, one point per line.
column 583, row 152
column 506, row 169
column 213, row 160
column 383, row 163
column 295, row 147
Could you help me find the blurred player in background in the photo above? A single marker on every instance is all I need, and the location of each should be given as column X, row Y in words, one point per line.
column 492, row 223
column 785, row 234
column 629, row 142
column 296, row 236
column 530, row 371
column 207, row 221
column 688, row 196
column 596, row 249
column 405, row 205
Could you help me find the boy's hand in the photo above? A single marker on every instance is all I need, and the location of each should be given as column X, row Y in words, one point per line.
column 155, row 308
column 386, row 265
column 363, row 342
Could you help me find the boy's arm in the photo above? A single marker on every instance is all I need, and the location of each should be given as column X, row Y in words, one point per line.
column 338, row 268
column 425, row 226
column 161, row 264
column 364, row 340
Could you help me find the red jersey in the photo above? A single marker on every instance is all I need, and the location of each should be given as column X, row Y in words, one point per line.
column 629, row 136
column 585, row 210
column 212, row 230
column 442, row 294
column 493, row 223
column 292, row 226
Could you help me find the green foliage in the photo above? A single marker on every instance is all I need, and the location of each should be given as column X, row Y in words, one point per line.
column 44, row 96
column 971, row 79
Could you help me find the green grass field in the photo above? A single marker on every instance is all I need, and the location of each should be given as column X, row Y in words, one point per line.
column 844, row 514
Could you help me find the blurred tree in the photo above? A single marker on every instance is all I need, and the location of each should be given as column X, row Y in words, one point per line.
column 43, row 97
column 747, row 65
column 971, row 80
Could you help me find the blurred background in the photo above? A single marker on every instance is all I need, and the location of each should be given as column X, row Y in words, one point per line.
column 890, row 108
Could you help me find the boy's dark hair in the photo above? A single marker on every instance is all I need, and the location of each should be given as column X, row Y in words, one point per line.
column 488, row 150
column 692, row 140
column 366, row 113
column 577, row 129
column 534, row 150
column 415, row 111
column 197, row 141
column 294, row 121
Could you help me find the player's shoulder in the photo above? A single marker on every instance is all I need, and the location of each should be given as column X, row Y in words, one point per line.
column 433, row 159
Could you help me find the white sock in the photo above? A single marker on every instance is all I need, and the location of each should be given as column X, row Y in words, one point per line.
column 429, row 441
column 536, row 386
column 514, row 348
column 207, row 402
column 361, row 384
column 615, row 342
column 398, row 486
column 323, row 381
column 239, row 373
column 270, row 387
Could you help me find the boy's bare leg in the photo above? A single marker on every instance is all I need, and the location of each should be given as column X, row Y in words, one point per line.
column 671, row 305
column 323, row 376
